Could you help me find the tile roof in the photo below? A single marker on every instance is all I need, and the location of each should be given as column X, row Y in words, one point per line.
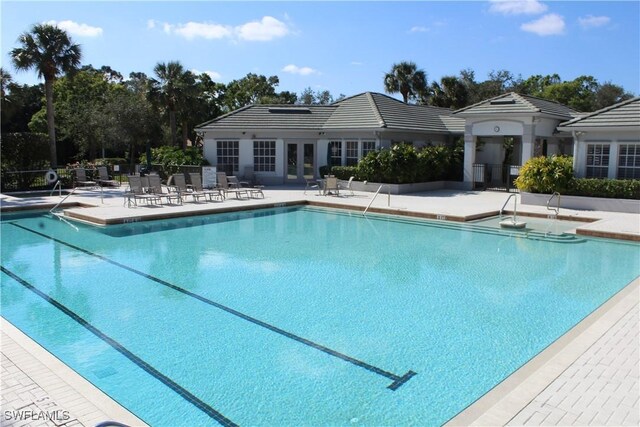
column 622, row 114
column 514, row 103
column 263, row 116
column 363, row 111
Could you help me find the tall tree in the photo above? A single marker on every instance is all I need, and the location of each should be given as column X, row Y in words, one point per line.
column 451, row 92
column 169, row 89
column 251, row 89
column 5, row 80
column 405, row 78
column 51, row 52
column 579, row 94
column 609, row 94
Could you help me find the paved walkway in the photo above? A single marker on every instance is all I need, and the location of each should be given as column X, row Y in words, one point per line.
column 37, row 389
column 600, row 388
column 596, row 384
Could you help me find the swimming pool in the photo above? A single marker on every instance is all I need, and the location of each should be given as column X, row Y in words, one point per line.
column 299, row 316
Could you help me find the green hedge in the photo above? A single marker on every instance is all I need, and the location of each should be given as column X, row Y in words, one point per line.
column 404, row 164
column 345, row 172
column 555, row 173
column 608, row 188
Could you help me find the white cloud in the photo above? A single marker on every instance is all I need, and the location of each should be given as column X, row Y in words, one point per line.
column 418, row 29
column 215, row 76
column 76, row 29
column 303, row 71
column 517, row 7
column 357, row 63
column 267, row 29
column 591, row 21
column 549, row 25
column 192, row 30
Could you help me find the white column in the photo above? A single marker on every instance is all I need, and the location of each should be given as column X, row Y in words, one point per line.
column 469, row 156
column 613, row 159
column 528, row 143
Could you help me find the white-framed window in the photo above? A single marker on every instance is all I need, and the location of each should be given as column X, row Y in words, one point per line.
column 598, row 160
column 351, row 151
column 629, row 161
column 264, row 156
column 367, row 147
column 227, row 153
column 336, row 153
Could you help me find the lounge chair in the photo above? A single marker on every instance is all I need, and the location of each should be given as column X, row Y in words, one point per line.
column 105, row 179
column 331, row 186
column 254, row 191
column 136, row 192
column 196, row 183
column 155, row 188
column 81, row 178
column 225, row 186
column 346, row 186
column 181, row 186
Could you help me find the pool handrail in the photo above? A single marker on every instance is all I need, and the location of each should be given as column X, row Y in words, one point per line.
column 557, row 208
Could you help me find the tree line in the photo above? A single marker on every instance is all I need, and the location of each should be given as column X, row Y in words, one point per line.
column 583, row 94
column 97, row 112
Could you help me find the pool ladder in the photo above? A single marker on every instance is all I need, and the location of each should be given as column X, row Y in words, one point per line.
column 60, row 215
column 376, row 195
column 515, row 199
column 557, row 208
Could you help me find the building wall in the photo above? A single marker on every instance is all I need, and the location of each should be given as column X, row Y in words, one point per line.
column 611, row 139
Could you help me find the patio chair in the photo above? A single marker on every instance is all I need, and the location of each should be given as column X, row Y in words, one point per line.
column 223, row 183
column 136, row 192
column 331, row 186
column 155, row 188
column 181, row 186
column 81, row 178
column 312, row 184
column 346, row 186
column 254, row 191
column 250, row 176
column 196, row 183
column 105, row 179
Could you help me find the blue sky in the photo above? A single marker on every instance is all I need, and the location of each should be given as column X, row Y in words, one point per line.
column 345, row 47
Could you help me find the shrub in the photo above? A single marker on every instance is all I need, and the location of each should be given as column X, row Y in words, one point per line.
column 404, row 164
column 546, row 174
column 344, row 172
column 171, row 158
column 609, row 188
column 325, row 170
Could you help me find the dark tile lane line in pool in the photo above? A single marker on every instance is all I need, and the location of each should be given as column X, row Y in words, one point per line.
column 398, row 380
column 188, row 396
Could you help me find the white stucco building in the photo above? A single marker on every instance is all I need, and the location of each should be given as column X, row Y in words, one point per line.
column 288, row 143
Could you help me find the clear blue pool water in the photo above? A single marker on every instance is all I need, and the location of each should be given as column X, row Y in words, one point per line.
column 298, row 316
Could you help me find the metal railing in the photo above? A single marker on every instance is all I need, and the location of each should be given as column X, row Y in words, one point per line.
column 35, row 180
column 557, row 208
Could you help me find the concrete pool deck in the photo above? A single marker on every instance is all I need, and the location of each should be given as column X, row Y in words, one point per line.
column 587, row 377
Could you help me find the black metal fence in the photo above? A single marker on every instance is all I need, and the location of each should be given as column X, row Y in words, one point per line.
column 33, row 180
column 495, row 177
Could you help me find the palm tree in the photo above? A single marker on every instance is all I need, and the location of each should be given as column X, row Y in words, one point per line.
column 169, row 90
column 5, row 80
column 450, row 93
column 51, row 52
column 406, row 78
